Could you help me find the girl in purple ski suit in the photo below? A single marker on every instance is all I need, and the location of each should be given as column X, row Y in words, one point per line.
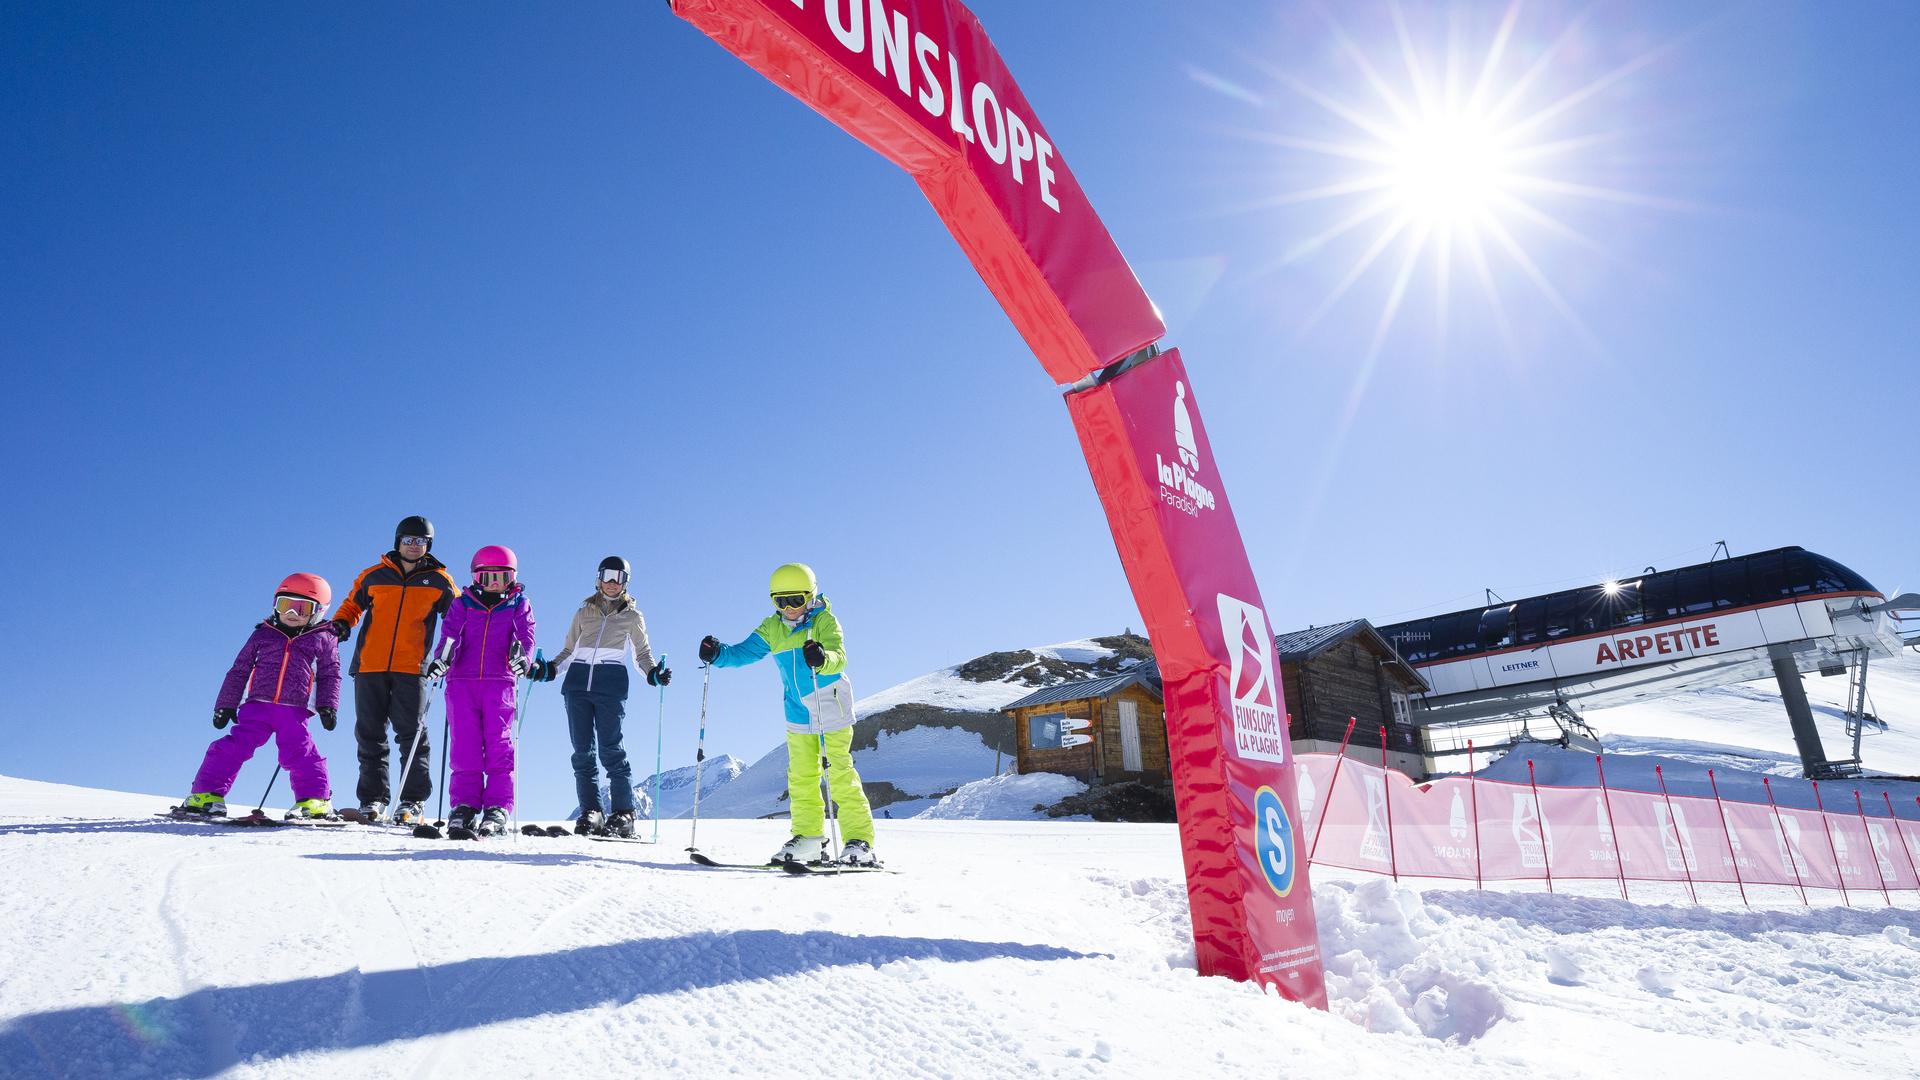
column 289, row 658
column 485, row 645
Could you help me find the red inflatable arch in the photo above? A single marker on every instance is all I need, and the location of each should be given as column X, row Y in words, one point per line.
column 920, row 83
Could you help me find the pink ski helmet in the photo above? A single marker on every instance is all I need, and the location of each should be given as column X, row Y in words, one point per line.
column 494, row 557
column 310, row 586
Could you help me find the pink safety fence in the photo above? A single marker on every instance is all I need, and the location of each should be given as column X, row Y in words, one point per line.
column 1361, row 816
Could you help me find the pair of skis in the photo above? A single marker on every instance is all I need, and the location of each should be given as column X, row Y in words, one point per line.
column 788, row 866
column 254, row 819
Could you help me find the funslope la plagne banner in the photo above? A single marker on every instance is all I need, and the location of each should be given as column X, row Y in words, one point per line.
column 919, row 82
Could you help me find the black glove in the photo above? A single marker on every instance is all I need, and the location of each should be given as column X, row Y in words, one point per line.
column 223, row 717
column 435, row 668
column 816, row 656
column 519, row 665
column 341, row 630
column 709, row 648
column 660, row 675
column 328, row 718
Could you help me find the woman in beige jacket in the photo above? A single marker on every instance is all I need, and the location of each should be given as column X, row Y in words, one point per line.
column 605, row 631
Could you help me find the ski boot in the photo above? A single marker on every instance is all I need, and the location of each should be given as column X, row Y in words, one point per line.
column 205, row 803
column 801, row 849
column 591, row 821
column 373, row 812
column 621, row 824
column 410, row 813
column 493, row 822
column 461, row 821
column 858, row 853
column 312, row 810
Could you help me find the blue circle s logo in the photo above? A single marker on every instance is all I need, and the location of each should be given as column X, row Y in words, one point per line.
column 1273, row 840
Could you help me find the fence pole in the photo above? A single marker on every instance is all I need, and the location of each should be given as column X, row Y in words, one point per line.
column 1915, row 871
column 1540, row 819
column 1793, row 859
column 1386, row 785
column 1679, row 841
column 1732, row 856
column 1861, row 808
column 1473, row 788
column 1327, row 803
column 1835, row 852
column 1606, row 800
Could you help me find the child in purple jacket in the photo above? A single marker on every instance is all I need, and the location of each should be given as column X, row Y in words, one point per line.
column 484, row 647
column 292, row 655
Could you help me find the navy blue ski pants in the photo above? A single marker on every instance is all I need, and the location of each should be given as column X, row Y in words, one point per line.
column 594, row 718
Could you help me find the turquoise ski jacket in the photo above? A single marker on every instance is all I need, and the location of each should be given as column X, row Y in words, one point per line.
column 773, row 636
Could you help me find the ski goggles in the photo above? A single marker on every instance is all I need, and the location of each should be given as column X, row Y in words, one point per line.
column 414, row 541
column 295, row 605
column 790, row 600
column 614, row 575
column 493, row 580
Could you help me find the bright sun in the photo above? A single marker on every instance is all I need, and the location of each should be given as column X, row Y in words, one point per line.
column 1447, row 170
column 1452, row 160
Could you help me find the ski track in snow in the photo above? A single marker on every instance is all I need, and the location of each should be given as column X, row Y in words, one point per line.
column 142, row 947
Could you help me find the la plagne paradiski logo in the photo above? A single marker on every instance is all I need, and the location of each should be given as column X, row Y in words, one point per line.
column 1180, row 485
column 1257, row 730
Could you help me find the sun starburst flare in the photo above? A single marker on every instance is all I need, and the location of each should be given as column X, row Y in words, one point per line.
column 1467, row 163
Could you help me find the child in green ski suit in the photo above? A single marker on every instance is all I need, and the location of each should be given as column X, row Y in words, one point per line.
column 803, row 636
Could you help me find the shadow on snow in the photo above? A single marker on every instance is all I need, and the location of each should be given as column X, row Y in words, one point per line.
column 210, row 1030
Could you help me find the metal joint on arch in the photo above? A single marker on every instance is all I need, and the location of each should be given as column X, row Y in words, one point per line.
column 1113, row 370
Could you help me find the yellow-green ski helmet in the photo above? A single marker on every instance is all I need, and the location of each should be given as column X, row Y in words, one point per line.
column 793, row 578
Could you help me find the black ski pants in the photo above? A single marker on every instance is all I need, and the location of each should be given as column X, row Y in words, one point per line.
column 382, row 699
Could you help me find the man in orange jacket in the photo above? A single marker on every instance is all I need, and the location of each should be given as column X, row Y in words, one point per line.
column 401, row 597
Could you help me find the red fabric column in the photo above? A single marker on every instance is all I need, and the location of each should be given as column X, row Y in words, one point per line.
column 1154, row 469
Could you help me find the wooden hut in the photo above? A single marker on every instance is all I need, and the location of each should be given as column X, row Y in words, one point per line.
column 1100, row 730
column 1349, row 670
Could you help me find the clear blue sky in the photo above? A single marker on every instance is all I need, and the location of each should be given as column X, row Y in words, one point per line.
column 572, row 279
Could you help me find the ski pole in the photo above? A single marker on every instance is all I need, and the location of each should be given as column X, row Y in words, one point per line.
column 446, row 751
column 413, row 752
column 446, row 728
column 699, row 754
column 826, row 785
column 261, row 810
column 519, row 714
column 659, row 743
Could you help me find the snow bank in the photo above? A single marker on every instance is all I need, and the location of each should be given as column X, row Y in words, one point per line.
column 1389, row 967
column 1008, row 797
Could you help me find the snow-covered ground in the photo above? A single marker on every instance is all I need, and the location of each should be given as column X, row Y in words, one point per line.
column 138, row 946
column 132, row 945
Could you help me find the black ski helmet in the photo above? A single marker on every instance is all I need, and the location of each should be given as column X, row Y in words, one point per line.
column 614, row 562
column 413, row 526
